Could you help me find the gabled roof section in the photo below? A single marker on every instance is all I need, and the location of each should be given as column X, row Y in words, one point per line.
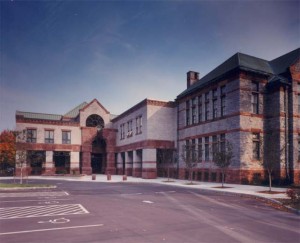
column 95, row 100
column 75, row 112
column 282, row 63
column 249, row 63
column 39, row 116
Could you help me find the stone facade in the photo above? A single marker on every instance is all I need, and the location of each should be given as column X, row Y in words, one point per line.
column 250, row 102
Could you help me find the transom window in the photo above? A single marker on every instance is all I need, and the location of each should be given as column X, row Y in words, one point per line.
column 95, row 121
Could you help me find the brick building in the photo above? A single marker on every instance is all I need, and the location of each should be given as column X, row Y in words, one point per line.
column 245, row 100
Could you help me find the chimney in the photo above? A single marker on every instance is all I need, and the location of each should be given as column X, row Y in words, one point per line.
column 192, row 77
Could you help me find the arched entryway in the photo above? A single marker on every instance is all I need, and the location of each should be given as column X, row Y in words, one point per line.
column 98, row 155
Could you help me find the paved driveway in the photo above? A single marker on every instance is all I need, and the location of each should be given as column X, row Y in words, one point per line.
column 130, row 212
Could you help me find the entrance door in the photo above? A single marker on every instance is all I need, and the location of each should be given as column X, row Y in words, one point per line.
column 96, row 163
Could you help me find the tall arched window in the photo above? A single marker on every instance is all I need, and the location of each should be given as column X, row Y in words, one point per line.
column 95, row 121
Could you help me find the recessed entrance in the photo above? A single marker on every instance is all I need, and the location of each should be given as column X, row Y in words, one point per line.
column 96, row 163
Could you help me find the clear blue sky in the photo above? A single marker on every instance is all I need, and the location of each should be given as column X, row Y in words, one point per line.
column 57, row 54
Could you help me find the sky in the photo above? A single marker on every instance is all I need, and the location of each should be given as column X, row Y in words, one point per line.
column 57, row 54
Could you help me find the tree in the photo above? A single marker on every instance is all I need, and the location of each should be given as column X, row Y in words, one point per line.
column 190, row 158
column 273, row 154
column 21, row 153
column 167, row 158
column 222, row 157
column 7, row 150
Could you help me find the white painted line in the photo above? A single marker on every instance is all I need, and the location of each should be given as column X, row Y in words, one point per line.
column 56, row 199
column 42, row 230
column 147, row 201
column 38, row 211
column 166, row 192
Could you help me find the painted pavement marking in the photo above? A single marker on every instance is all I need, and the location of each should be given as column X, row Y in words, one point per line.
column 41, row 211
column 33, row 194
column 42, row 230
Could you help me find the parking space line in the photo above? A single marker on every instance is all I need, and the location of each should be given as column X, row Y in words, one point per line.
column 34, row 194
column 49, row 229
column 39, row 211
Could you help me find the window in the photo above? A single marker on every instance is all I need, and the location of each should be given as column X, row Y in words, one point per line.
column 299, row 147
column 66, row 137
column 206, row 106
column 298, row 103
column 49, row 136
column 214, row 144
column 31, row 136
column 206, row 149
column 222, row 142
column 223, row 101
column 200, row 108
column 194, row 111
column 193, row 148
column 256, row 146
column 129, row 129
column 139, row 125
column 187, row 112
column 215, row 101
column 254, row 97
column 199, row 149
column 122, row 131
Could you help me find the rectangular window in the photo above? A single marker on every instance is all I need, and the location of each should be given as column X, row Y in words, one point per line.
column 200, row 108
column 215, row 102
column 194, row 111
column 214, row 144
column 255, row 97
column 298, row 103
column 31, row 135
column 222, row 142
column 199, row 149
column 187, row 112
column 139, row 125
column 49, row 136
column 122, row 131
column 66, row 137
column 299, row 147
column 256, row 145
column 129, row 129
column 194, row 150
column 223, row 101
column 206, row 106
column 206, row 148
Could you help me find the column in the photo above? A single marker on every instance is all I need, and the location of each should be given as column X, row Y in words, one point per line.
column 128, row 163
column 120, row 164
column 49, row 165
column 137, row 163
column 149, row 168
column 86, row 163
column 74, row 163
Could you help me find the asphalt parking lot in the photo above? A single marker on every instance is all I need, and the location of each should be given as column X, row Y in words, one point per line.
column 131, row 212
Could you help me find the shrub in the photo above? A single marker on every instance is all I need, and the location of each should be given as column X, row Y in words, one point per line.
column 294, row 194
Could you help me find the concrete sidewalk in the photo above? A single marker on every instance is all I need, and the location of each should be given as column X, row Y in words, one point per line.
column 254, row 191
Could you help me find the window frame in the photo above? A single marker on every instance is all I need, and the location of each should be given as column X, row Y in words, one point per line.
column 48, row 138
column 66, row 140
column 33, row 135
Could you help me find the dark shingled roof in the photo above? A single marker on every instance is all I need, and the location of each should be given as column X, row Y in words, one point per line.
column 248, row 63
